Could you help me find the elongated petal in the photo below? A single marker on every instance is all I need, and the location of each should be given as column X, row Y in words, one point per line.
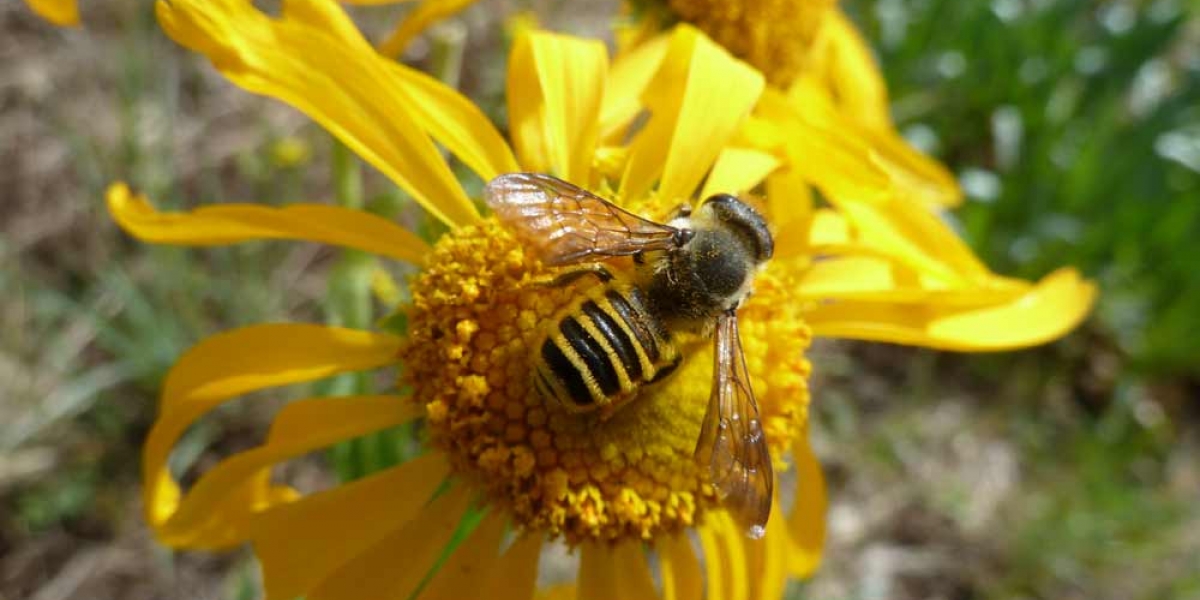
column 738, row 170
column 233, row 223
column 916, row 237
column 767, row 558
column 724, row 557
column 681, row 575
column 806, row 520
column 631, row 72
column 874, row 277
column 426, row 14
column 302, row 543
column 848, row 66
column 915, row 174
column 234, row 363
column 776, row 552
column 790, row 211
column 1046, row 311
column 474, row 559
column 559, row 591
column 392, row 568
column 634, row 581
column 840, row 165
column 456, row 123
column 64, row 13
column 515, row 576
column 697, row 100
column 314, row 59
column 845, row 88
column 215, row 511
column 555, row 89
column 916, row 177
column 597, row 573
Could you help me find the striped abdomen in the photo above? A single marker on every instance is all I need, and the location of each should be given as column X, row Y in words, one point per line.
column 602, row 350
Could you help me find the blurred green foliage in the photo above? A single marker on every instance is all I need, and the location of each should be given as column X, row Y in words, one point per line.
column 1074, row 126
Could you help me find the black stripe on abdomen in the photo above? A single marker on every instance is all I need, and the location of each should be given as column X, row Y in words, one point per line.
column 607, row 325
column 588, row 348
column 638, row 326
column 566, row 373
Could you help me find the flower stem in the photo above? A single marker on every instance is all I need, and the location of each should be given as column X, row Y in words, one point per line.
column 348, row 304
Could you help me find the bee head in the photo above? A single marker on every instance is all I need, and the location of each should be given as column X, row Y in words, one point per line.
column 740, row 218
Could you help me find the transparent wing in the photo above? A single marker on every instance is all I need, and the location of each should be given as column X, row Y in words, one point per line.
column 566, row 224
column 731, row 439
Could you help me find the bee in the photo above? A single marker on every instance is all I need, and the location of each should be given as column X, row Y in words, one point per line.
column 690, row 275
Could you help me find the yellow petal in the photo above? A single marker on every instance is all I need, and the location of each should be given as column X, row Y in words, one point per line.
column 697, row 100
column 555, row 88
column 840, row 165
column 767, row 558
column 597, row 573
column 475, row 558
column 915, row 176
column 456, row 123
column 681, row 576
column 724, row 557
column 64, row 13
column 560, row 591
column 634, row 581
column 776, row 553
column 1045, row 312
column 515, row 575
column 392, row 568
column 789, row 199
column 738, row 170
column 913, row 236
column 232, row 223
column 428, row 13
column 876, row 278
column 302, row 543
column 241, row 361
column 849, row 68
column 314, row 59
column 631, row 73
column 806, row 521
column 790, row 211
column 215, row 512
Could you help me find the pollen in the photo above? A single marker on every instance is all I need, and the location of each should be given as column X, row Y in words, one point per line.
column 774, row 36
column 476, row 314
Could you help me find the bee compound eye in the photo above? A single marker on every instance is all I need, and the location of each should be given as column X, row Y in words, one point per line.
column 746, row 221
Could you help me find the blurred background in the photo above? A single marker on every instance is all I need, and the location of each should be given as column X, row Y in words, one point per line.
column 1068, row 471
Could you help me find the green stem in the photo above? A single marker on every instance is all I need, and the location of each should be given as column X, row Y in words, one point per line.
column 448, row 45
column 349, row 305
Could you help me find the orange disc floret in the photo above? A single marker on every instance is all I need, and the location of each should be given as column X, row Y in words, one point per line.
column 478, row 311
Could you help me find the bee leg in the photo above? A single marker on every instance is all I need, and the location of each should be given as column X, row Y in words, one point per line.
column 570, row 277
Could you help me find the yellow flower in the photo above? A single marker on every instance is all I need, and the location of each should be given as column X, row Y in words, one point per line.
column 606, row 490
column 64, row 13
column 657, row 127
column 824, row 73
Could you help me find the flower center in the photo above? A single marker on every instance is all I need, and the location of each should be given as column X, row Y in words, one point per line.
column 772, row 35
column 477, row 313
